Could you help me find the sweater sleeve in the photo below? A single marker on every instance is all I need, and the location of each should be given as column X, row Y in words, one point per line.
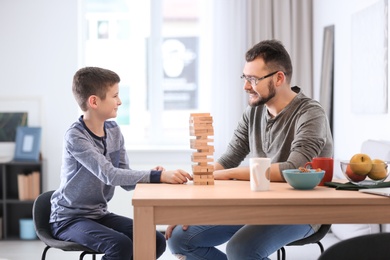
column 312, row 138
column 238, row 147
column 81, row 148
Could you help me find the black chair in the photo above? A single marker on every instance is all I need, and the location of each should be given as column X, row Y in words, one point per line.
column 313, row 239
column 41, row 215
column 372, row 247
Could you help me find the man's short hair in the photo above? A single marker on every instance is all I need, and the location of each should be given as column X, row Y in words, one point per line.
column 274, row 55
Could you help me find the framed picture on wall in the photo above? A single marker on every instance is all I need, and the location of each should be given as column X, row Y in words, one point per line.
column 27, row 144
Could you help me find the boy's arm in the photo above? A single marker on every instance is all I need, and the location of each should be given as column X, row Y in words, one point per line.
column 175, row 176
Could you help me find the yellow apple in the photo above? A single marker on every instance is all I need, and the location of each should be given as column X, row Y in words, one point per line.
column 378, row 171
column 361, row 164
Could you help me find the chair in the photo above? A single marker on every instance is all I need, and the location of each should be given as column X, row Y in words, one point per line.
column 315, row 238
column 372, row 246
column 41, row 215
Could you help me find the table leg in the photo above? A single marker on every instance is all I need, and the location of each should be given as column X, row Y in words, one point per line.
column 144, row 234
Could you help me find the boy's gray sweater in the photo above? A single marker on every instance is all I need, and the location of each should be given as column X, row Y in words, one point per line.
column 91, row 168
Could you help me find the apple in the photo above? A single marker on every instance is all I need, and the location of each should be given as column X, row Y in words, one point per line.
column 361, row 164
column 352, row 176
column 379, row 170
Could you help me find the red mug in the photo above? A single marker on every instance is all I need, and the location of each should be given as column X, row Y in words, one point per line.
column 324, row 163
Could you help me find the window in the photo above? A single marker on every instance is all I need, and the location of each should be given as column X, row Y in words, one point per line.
column 154, row 47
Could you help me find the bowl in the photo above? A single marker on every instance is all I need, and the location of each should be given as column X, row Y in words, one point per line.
column 378, row 173
column 303, row 180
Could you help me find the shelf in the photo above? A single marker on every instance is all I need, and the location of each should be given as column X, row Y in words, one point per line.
column 12, row 209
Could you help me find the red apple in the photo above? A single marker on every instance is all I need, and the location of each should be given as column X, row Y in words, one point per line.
column 354, row 177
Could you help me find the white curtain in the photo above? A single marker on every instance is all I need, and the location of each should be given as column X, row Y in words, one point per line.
column 225, row 45
column 289, row 21
column 235, row 27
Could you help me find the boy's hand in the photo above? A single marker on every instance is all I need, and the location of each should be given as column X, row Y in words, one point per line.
column 159, row 168
column 176, row 176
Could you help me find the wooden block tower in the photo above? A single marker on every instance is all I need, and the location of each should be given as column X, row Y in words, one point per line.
column 201, row 126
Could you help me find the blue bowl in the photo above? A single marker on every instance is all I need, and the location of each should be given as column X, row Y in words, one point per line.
column 303, row 180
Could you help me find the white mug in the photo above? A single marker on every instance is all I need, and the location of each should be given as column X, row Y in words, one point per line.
column 259, row 173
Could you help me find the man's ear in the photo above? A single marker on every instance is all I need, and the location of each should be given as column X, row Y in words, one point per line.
column 92, row 101
column 280, row 79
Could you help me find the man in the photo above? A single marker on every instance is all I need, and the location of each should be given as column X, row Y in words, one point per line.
column 280, row 123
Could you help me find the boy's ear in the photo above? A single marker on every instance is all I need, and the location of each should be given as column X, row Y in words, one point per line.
column 92, row 101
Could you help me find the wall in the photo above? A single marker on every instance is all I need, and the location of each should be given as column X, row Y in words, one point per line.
column 38, row 51
column 350, row 129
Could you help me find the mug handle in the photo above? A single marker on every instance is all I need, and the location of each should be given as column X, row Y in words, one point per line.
column 255, row 168
column 308, row 164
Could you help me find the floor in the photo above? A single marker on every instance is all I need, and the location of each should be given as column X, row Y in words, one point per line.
column 26, row 249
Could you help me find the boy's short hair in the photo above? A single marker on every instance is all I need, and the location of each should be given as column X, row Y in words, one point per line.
column 90, row 81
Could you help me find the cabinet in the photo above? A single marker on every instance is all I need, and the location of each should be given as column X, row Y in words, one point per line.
column 12, row 209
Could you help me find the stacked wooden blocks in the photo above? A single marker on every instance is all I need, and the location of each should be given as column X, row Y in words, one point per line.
column 201, row 126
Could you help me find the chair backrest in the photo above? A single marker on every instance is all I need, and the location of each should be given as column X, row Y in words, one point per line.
column 41, row 214
column 372, row 246
column 314, row 238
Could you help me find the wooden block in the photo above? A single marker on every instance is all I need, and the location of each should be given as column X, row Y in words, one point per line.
column 202, row 173
column 203, row 179
column 200, row 156
column 201, row 119
column 201, row 126
column 201, row 132
column 201, row 122
column 200, row 169
column 200, row 114
column 202, row 139
column 201, row 160
column 201, row 146
column 209, row 150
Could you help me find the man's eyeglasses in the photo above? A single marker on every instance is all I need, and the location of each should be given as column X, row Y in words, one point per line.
column 255, row 80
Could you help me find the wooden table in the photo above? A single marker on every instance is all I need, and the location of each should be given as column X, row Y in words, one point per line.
column 232, row 202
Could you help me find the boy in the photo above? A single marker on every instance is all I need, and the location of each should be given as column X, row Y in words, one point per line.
column 94, row 162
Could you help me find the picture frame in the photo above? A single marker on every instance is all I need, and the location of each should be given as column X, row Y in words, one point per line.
column 31, row 105
column 27, row 144
column 327, row 73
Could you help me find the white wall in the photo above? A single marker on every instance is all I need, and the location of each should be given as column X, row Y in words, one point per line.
column 350, row 130
column 38, row 50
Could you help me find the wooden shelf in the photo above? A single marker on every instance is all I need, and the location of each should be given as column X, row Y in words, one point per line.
column 12, row 209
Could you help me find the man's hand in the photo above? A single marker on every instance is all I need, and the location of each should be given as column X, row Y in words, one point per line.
column 169, row 230
column 175, row 177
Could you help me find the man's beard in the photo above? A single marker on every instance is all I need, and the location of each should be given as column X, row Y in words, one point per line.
column 263, row 100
